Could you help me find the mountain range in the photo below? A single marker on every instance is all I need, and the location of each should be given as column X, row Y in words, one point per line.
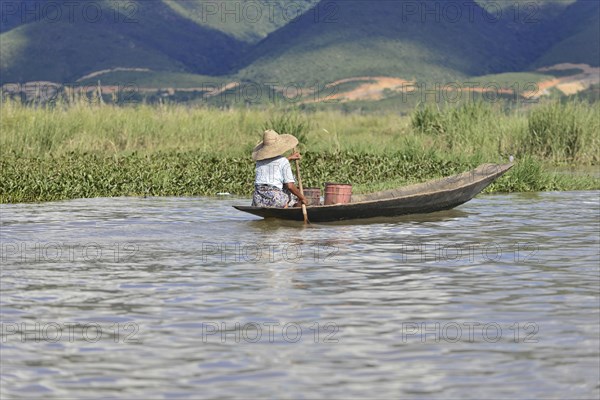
column 299, row 41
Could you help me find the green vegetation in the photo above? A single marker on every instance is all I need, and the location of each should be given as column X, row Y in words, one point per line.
column 292, row 124
column 140, row 34
column 193, row 173
column 518, row 81
column 156, row 80
column 555, row 131
column 262, row 42
column 561, row 131
column 89, row 150
column 391, row 39
column 249, row 21
column 577, row 33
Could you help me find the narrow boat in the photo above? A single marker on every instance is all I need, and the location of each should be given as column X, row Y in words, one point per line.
column 435, row 195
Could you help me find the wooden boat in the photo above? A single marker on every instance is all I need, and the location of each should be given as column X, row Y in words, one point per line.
column 435, row 195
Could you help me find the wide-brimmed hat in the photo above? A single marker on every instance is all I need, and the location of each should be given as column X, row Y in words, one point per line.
column 273, row 145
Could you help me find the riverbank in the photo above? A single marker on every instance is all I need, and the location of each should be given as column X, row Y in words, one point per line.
column 84, row 150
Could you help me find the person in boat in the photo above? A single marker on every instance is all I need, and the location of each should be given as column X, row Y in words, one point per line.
column 274, row 184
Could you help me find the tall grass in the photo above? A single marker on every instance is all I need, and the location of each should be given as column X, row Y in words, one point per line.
column 291, row 123
column 555, row 132
column 84, row 150
column 110, row 129
column 480, row 130
column 569, row 131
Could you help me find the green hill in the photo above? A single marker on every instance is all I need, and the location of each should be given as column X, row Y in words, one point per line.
column 149, row 35
column 386, row 38
column 577, row 32
column 187, row 42
column 249, row 21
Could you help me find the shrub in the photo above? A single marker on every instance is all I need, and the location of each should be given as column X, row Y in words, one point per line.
column 560, row 131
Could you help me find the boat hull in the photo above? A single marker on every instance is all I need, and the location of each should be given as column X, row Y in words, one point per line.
column 427, row 197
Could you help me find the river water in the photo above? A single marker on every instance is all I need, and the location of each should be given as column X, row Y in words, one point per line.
column 189, row 298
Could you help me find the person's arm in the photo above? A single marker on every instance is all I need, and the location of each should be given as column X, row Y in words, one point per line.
column 289, row 181
column 292, row 187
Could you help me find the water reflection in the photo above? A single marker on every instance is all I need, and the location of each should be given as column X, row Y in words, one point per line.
column 181, row 288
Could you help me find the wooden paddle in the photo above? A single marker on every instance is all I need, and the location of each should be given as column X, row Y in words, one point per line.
column 301, row 190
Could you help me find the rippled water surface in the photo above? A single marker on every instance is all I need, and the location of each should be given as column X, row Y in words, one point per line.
column 189, row 298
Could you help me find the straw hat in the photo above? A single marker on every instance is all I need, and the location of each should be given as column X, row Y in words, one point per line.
column 273, row 145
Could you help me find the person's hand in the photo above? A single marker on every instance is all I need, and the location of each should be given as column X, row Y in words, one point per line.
column 295, row 156
column 304, row 201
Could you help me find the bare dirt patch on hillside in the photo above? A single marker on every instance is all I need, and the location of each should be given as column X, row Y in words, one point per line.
column 572, row 84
